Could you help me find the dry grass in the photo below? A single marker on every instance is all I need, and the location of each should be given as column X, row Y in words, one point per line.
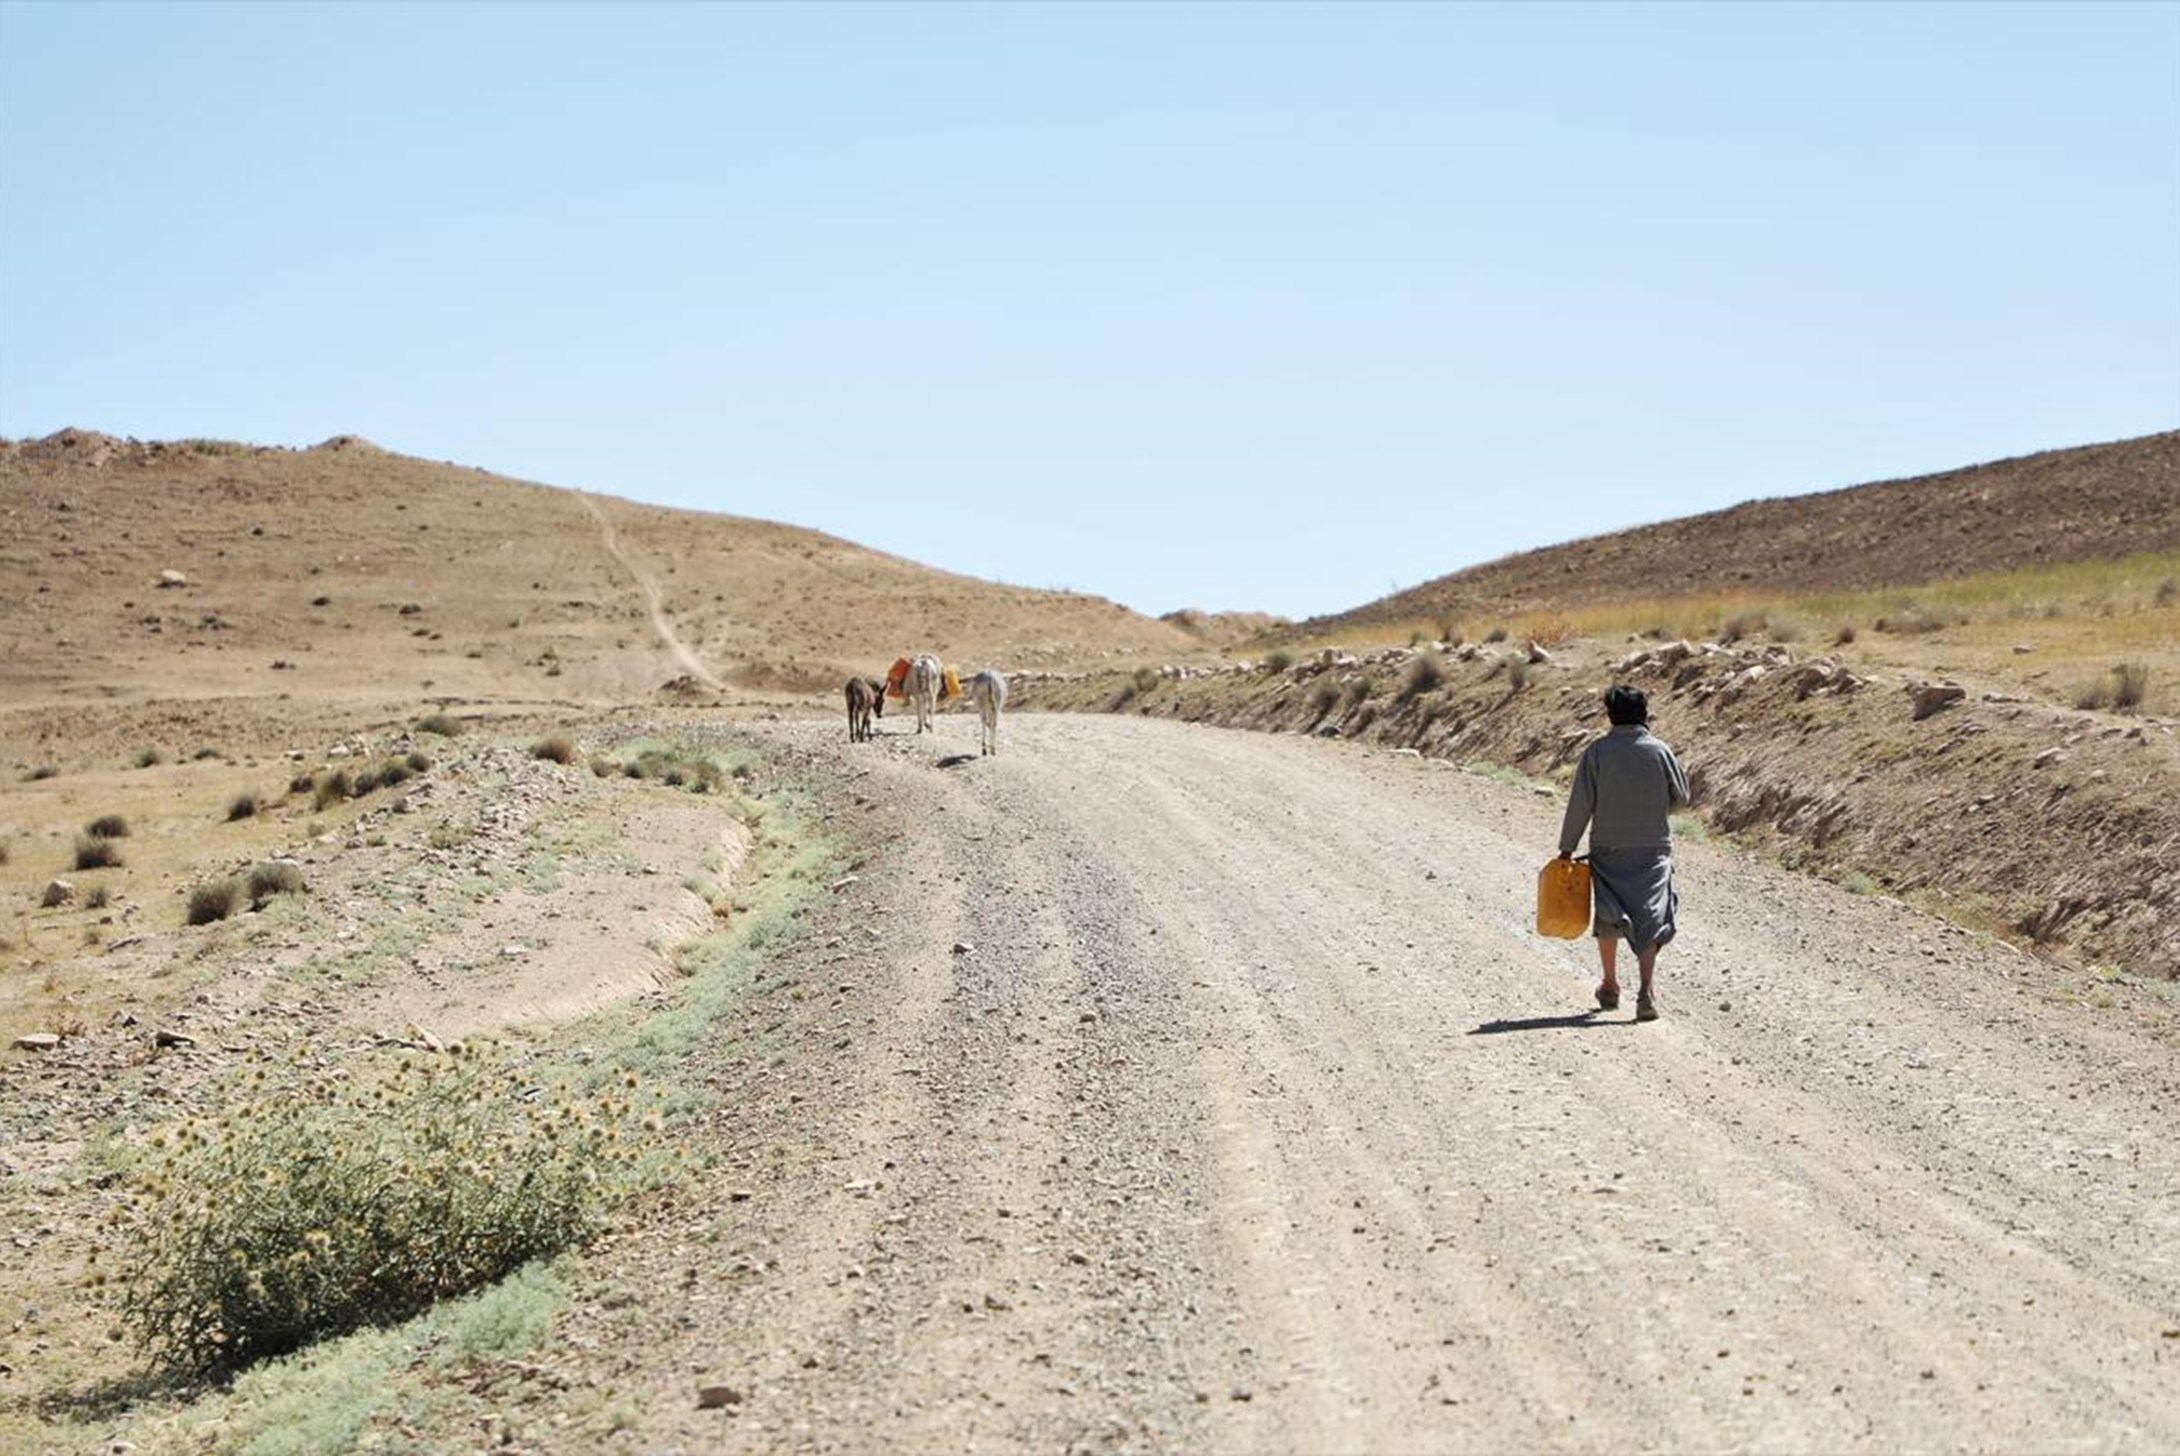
column 2068, row 591
column 215, row 900
column 96, row 852
column 1425, row 673
column 328, row 789
column 108, row 826
column 554, row 748
column 2097, row 615
column 273, row 877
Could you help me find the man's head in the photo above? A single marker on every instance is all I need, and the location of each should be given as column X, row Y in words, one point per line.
column 1625, row 705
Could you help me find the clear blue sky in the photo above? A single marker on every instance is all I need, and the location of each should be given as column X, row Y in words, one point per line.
column 1254, row 306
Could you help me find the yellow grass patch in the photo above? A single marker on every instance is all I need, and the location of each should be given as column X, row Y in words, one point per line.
column 2078, row 620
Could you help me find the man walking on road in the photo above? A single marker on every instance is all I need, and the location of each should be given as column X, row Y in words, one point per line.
column 1625, row 786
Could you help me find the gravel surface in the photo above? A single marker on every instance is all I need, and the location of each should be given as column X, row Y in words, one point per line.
column 1157, row 1087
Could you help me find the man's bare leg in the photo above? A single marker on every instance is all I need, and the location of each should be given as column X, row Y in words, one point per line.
column 1647, row 960
column 1608, row 990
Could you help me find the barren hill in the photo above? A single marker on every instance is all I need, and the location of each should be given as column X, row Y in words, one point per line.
column 346, row 569
column 2088, row 503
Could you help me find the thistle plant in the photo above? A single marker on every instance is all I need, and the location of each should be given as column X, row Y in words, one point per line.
column 308, row 1210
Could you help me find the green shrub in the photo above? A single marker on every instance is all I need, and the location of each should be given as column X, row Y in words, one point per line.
column 108, row 826
column 96, row 852
column 274, row 877
column 41, row 771
column 146, row 757
column 100, row 897
column 215, row 900
column 242, row 806
column 418, row 761
column 1278, row 660
column 364, row 1204
column 1496, row 634
column 602, row 766
column 302, row 783
column 1844, row 635
column 554, row 748
column 1325, row 697
column 445, row 725
column 2130, row 681
column 1517, row 673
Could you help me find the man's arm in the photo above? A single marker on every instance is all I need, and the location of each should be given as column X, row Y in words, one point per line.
column 1581, row 803
column 1676, row 782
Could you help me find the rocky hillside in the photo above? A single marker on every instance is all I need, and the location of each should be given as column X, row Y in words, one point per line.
column 2093, row 502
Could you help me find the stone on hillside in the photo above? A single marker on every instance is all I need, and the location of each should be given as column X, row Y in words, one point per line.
column 1537, row 653
column 38, row 1041
column 2049, row 757
column 717, row 1397
column 1930, row 697
column 1674, row 653
column 170, row 579
column 1328, row 730
column 57, row 892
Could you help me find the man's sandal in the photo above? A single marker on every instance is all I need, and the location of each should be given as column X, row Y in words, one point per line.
column 1608, row 1000
column 1645, row 1009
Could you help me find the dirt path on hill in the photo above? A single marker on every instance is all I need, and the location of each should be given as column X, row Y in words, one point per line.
column 1171, row 1088
column 654, row 598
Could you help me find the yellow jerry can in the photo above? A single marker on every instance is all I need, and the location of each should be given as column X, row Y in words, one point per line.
column 1563, row 898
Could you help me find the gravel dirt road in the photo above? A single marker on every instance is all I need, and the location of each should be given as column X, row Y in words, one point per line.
column 1160, row 1087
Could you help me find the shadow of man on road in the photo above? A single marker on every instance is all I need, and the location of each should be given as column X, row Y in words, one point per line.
column 1548, row 1023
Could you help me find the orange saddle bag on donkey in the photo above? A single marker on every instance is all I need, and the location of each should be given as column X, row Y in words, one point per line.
column 1563, row 898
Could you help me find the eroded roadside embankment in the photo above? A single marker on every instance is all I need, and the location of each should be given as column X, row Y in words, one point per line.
column 578, row 923
column 2051, row 826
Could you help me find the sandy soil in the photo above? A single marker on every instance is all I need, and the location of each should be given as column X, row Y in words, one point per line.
column 1167, row 1087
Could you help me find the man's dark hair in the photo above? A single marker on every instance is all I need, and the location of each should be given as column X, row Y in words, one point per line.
column 1625, row 705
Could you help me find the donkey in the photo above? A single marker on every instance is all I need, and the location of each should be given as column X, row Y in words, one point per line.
column 925, row 679
column 988, row 690
column 866, row 700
